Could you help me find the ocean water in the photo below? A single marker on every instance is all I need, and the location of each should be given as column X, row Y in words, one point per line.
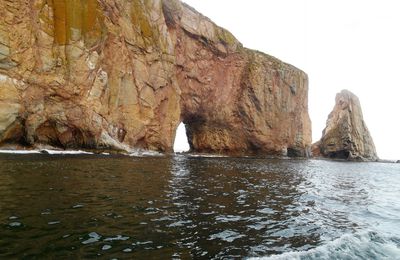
column 193, row 207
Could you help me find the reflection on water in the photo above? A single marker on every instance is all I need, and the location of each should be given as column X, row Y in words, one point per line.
column 188, row 207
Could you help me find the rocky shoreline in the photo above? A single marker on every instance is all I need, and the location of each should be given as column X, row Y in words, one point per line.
column 121, row 75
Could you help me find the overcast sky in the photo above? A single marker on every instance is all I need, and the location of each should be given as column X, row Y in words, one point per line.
column 340, row 44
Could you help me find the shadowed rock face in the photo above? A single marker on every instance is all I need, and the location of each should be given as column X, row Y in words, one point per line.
column 346, row 135
column 115, row 74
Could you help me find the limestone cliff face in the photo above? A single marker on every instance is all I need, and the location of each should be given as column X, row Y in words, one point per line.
column 116, row 74
column 346, row 135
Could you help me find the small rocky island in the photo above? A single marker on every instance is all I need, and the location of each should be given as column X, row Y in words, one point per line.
column 346, row 135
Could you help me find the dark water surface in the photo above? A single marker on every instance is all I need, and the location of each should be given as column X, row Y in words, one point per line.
column 181, row 207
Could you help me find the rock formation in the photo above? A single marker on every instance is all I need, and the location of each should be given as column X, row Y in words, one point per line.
column 346, row 135
column 117, row 74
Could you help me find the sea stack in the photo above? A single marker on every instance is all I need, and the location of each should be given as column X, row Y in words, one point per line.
column 346, row 135
column 122, row 75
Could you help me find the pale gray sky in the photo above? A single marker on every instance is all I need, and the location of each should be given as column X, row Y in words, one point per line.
column 352, row 44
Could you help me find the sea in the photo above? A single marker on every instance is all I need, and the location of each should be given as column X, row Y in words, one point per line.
column 183, row 206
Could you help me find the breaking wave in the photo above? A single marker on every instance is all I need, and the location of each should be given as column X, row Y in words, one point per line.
column 365, row 245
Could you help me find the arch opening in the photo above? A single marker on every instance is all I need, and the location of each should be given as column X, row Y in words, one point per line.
column 181, row 143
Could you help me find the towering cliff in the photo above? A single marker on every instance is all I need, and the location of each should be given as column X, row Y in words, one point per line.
column 117, row 74
column 346, row 135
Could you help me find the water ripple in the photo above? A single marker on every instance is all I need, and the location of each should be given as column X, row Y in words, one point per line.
column 91, row 206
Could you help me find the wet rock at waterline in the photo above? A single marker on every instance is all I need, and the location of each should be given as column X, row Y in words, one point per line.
column 346, row 135
column 122, row 74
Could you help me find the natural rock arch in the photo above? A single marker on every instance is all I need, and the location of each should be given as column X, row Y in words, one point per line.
column 125, row 76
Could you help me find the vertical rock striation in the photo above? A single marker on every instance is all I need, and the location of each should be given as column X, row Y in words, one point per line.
column 116, row 74
column 346, row 135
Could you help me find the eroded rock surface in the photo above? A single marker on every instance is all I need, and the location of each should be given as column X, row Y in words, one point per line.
column 116, row 74
column 346, row 135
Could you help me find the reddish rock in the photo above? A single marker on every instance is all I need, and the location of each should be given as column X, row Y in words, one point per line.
column 122, row 75
column 346, row 135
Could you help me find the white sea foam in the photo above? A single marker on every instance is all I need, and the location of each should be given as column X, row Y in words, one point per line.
column 366, row 245
column 144, row 153
column 133, row 153
column 19, row 151
column 64, row 151
column 45, row 151
column 207, row 155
